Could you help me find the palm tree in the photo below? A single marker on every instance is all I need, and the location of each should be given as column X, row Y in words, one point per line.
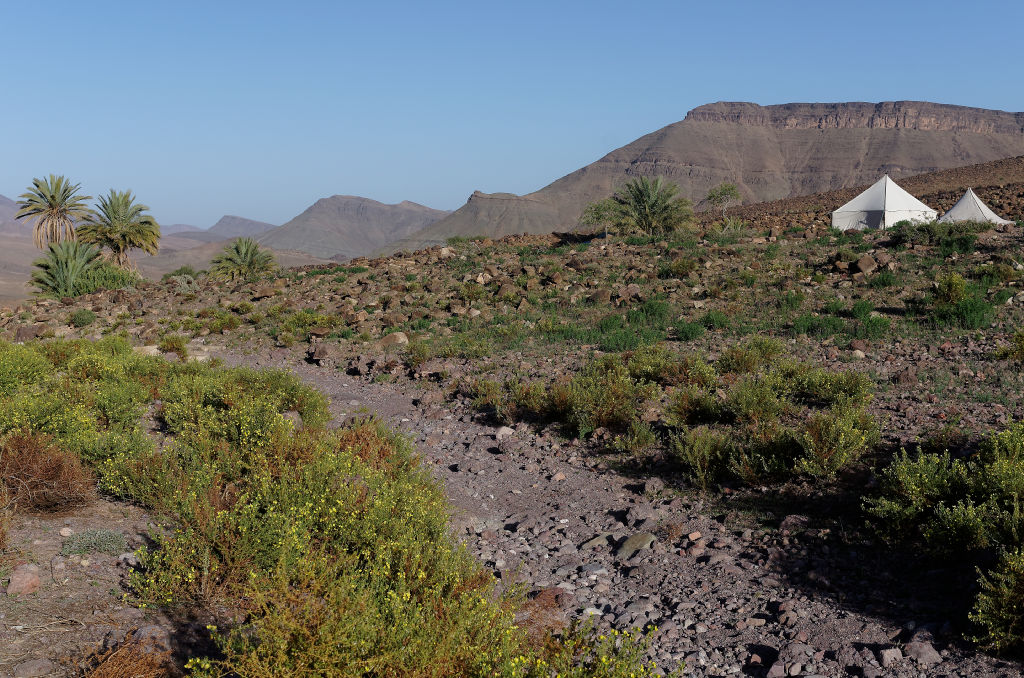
column 242, row 259
column 61, row 272
column 653, row 206
column 56, row 206
column 120, row 224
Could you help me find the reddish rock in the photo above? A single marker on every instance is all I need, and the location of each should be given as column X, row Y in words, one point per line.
column 24, row 580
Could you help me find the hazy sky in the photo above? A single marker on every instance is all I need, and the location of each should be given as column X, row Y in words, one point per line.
column 259, row 108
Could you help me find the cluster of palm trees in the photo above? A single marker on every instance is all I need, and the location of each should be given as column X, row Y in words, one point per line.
column 89, row 246
column 61, row 214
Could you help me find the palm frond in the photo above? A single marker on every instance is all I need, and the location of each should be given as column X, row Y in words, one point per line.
column 54, row 205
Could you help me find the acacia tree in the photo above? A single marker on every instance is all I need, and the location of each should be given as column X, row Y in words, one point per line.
column 651, row 206
column 723, row 195
column 55, row 204
column 119, row 225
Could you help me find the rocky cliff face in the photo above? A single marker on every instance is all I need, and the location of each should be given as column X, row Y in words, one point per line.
column 769, row 152
column 915, row 115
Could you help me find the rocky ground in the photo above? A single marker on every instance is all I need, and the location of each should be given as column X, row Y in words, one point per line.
column 760, row 581
column 727, row 594
column 731, row 589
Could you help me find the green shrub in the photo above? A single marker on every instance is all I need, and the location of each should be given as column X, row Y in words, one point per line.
column 951, row 289
column 999, row 608
column 862, row 309
column 750, row 356
column 185, row 270
column 833, row 440
column 605, row 395
column 82, row 317
column 871, row 327
column 679, row 267
column 174, row 343
column 791, row 301
column 882, row 279
column 817, row 326
column 1015, row 349
column 651, row 313
column 715, row 320
column 688, row 331
column 703, row 453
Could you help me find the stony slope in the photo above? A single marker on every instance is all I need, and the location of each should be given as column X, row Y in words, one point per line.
column 345, row 226
column 770, row 152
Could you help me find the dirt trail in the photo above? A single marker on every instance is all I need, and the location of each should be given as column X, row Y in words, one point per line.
column 726, row 597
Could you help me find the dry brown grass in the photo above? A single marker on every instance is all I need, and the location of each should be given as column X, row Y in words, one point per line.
column 131, row 660
column 542, row 614
column 42, row 476
column 6, row 507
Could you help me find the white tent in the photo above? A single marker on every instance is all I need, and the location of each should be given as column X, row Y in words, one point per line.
column 971, row 208
column 881, row 206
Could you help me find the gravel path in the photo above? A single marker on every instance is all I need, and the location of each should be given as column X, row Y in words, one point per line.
column 726, row 598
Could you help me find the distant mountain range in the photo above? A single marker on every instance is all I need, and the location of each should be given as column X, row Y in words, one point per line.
column 769, row 152
column 346, row 226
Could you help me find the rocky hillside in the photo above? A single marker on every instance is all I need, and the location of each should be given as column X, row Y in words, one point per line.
column 770, row 152
column 1001, row 183
column 686, row 432
column 346, row 226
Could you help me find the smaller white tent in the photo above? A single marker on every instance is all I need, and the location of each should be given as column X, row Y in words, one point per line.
column 880, row 206
column 971, row 208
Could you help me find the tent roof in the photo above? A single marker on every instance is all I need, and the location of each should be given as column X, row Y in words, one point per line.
column 971, row 208
column 884, row 195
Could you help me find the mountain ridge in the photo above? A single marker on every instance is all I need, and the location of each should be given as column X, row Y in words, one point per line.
column 769, row 152
column 347, row 226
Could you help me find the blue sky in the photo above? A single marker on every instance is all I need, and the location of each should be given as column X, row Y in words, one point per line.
column 259, row 108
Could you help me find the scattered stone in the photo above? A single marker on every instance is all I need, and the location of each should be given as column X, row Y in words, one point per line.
column 66, row 532
column 889, row 656
column 395, row 339
column 34, row 668
column 635, row 544
column 924, row 653
column 24, row 580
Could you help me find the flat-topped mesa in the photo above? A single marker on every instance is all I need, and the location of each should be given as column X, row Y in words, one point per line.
column 914, row 115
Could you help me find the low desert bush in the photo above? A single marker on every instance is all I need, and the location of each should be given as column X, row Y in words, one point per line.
column 83, row 317
column 955, row 303
column 955, row 237
column 174, row 343
column 688, row 331
column 95, row 541
column 965, row 509
column 835, row 439
column 999, row 607
column 1014, row 350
